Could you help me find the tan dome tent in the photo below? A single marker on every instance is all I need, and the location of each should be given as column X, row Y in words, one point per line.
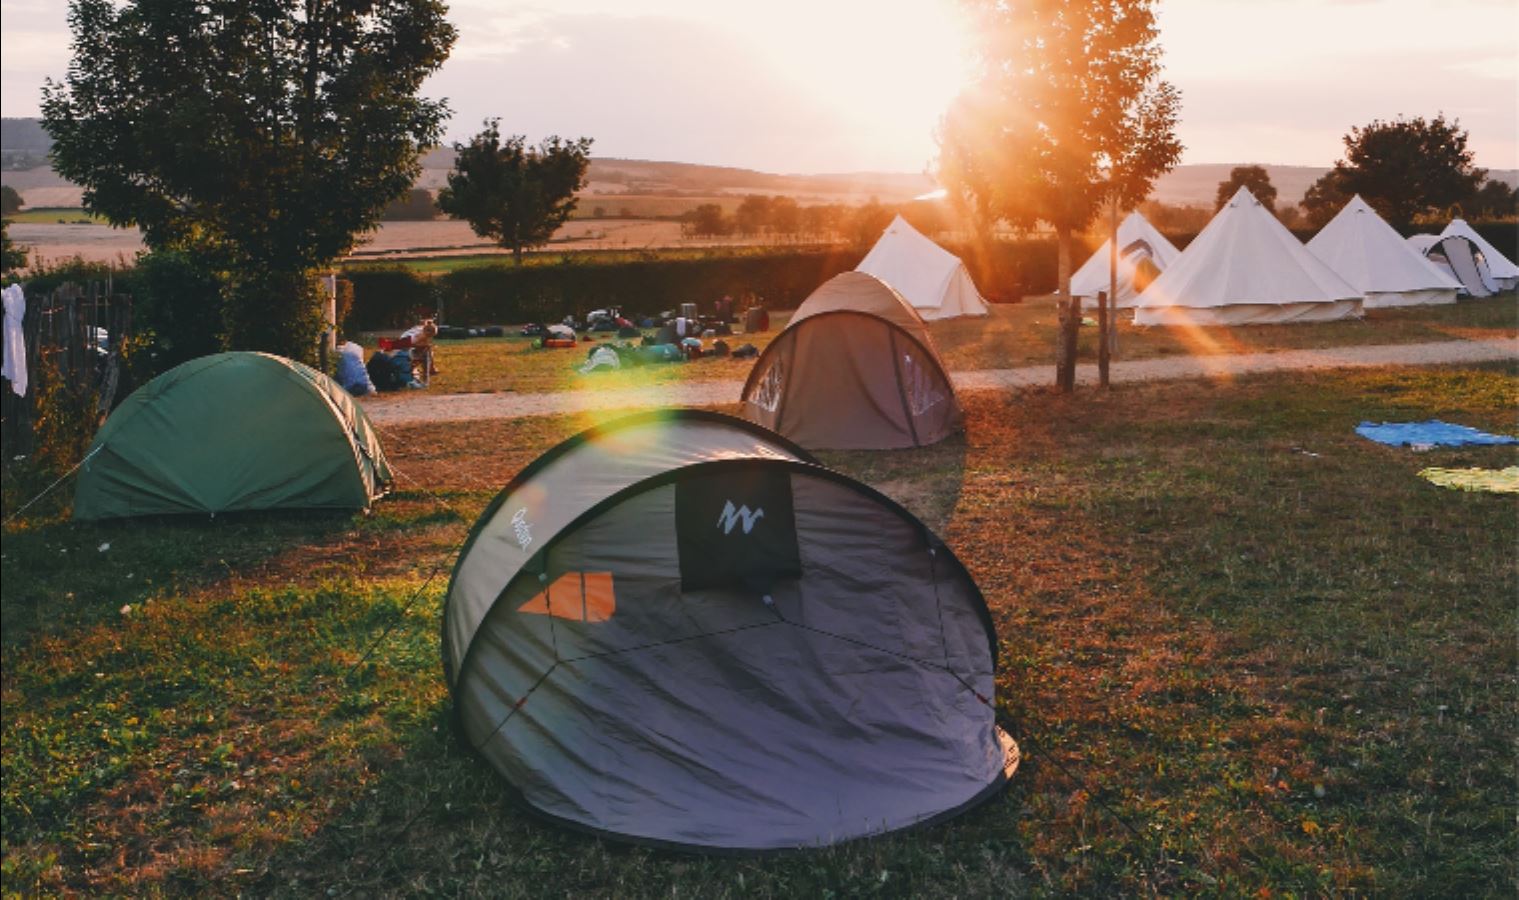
column 232, row 432
column 855, row 369
column 677, row 629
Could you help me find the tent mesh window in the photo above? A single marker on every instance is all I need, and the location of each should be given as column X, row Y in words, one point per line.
column 767, row 393
column 919, row 381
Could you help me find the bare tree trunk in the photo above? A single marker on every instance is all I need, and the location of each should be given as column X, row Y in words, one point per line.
column 1102, row 341
column 1107, row 302
column 1070, row 318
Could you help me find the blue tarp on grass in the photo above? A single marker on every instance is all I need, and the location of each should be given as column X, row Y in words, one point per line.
column 1433, row 433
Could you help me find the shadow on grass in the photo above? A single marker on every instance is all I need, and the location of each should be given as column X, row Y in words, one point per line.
column 62, row 574
column 926, row 480
column 96, row 568
column 440, row 820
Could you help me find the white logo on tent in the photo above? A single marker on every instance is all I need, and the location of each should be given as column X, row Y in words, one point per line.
column 520, row 526
column 730, row 517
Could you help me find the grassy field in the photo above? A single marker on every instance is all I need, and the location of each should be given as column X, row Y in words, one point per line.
column 1014, row 335
column 1283, row 659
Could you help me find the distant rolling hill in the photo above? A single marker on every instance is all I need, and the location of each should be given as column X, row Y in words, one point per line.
column 655, row 188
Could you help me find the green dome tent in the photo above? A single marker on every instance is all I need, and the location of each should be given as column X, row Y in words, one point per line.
column 232, row 431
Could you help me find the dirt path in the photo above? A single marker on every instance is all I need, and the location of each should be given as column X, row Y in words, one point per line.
column 420, row 408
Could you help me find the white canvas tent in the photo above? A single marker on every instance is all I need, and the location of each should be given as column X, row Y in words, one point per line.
column 1364, row 250
column 1504, row 273
column 1137, row 241
column 932, row 279
column 1246, row 268
column 1459, row 258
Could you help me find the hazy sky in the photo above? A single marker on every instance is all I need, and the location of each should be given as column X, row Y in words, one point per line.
column 844, row 85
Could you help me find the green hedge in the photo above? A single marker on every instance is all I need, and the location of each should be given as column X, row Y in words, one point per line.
column 393, row 297
column 396, row 297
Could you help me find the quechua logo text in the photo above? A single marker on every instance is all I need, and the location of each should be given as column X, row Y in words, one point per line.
column 730, row 518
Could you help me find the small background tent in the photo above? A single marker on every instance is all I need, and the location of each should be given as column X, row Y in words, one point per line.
column 932, row 279
column 1364, row 250
column 229, row 432
column 1501, row 269
column 1246, row 268
column 676, row 629
column 1459, row 258
column 1137, row 241
column 855, row 369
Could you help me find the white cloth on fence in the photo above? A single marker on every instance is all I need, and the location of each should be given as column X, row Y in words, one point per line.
column 14, row 367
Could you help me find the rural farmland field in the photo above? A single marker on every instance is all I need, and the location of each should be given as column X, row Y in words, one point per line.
column 57, row 241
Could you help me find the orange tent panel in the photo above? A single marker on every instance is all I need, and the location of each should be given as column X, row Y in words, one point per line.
column 576, row 596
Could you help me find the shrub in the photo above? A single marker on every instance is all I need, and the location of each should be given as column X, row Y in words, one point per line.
column 393, row 297
column 276, row 312
column 416, row 206
column 48, row 276
column 386, row 297
column 178, row 305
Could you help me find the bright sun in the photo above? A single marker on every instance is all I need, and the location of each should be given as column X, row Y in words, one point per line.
column 890, row 68
column 885, row 69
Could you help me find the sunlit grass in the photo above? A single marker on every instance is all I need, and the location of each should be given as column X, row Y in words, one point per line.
column 1012, row 336
column 1277, row 653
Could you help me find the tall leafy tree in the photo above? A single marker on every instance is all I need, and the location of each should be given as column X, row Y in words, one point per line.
column 1067, row 113
column 1405, row 168
column 512, row 193
column 1494, row 200
column 868, row 221
column 706, row 220
column 262, row 135
column 967, row 163
column 785, row 216
column 1324, row 199
column 1256, row 178
column 753, row 214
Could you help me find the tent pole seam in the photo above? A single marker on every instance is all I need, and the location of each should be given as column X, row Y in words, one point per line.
column 521, row 702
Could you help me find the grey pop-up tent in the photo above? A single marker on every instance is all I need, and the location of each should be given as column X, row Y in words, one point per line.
column 677, row 629
column 1460, row 259
column 232, row 432
column 855, row 369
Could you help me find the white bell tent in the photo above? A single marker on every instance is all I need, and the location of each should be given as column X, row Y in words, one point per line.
column 932, row 279
column 1504, row 273
column 1246, row 268
column 1137, row 241
column 1364, row 250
